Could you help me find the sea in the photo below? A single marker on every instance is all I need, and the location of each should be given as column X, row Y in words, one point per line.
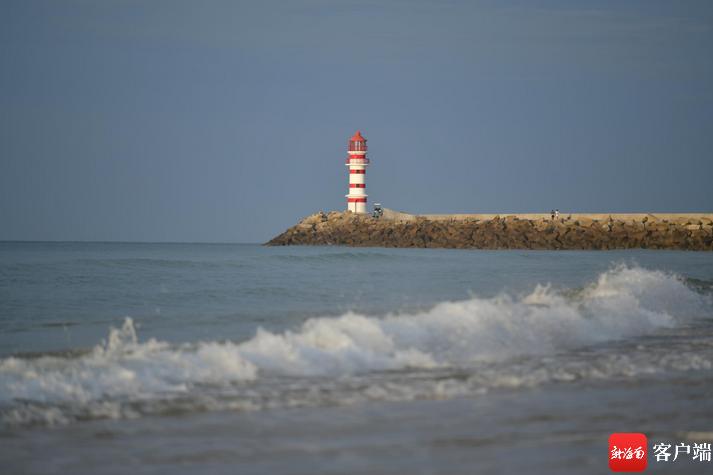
column 148, row 358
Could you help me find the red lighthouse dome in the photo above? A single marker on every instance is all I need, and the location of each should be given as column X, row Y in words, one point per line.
column 357, row 143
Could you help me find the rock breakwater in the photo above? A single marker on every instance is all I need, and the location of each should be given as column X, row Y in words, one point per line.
column 518, row 231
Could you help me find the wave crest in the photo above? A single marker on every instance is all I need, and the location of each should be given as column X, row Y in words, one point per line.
column 463, row 336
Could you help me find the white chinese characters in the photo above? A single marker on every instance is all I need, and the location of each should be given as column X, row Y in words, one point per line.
column 698, row 452
column 627, row 453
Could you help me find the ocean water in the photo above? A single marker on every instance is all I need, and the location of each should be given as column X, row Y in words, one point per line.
column 185, row 358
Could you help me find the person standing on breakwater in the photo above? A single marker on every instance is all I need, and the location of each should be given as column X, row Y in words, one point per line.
column 557, row 214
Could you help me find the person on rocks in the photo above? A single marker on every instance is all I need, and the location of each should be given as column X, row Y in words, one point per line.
column 557, row 214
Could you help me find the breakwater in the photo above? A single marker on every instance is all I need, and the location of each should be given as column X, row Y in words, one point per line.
column 688, row 231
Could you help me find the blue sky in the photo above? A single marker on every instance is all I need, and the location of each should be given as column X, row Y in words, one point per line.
column 228, row 121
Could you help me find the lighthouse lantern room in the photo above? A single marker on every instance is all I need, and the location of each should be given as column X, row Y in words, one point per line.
column 357, row 163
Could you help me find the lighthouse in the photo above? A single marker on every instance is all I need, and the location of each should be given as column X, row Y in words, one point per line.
column 357, row 163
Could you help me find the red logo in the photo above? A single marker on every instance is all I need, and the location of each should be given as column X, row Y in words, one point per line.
column 627, row 452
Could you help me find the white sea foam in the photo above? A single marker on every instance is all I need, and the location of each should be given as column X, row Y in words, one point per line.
column 452, row 336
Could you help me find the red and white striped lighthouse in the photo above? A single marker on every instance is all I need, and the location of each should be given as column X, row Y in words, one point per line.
column 357, row 163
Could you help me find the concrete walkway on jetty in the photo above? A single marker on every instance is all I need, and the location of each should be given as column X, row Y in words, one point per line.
column 677, row 218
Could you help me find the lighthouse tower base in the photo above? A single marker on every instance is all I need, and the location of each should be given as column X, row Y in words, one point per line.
column 356, row 206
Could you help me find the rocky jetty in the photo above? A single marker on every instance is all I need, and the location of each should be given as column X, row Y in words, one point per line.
column 575, row 231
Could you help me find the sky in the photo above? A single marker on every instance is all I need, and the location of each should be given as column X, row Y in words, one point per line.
column 227, row 121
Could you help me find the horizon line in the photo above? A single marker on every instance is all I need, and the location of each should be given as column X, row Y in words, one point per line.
column 85, row 241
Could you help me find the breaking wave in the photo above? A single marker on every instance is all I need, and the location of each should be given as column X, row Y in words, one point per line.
column 455, row 348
